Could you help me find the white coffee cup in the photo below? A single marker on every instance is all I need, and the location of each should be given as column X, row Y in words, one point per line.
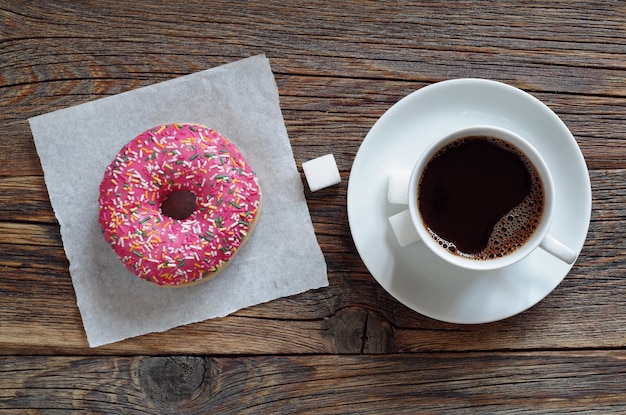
column 539, row 239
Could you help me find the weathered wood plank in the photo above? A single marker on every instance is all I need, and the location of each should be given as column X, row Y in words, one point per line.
column 25, row 198
column 390, row 39
column 552, row 52
column 29, row 234
column 353, row 315
column 454, row 383
column 336, row 121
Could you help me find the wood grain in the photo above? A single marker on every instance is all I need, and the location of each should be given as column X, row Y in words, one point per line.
column 403, row 52
column 456, row 383
column 350, row 347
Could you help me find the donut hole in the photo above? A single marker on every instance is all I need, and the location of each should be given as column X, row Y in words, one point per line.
column 179, row 204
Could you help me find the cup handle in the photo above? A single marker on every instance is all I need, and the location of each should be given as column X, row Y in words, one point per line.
column 556, row 248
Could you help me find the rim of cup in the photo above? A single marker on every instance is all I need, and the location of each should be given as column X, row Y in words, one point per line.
column 535, row 158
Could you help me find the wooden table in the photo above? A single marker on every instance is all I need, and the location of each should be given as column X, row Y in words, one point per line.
column 350, row 347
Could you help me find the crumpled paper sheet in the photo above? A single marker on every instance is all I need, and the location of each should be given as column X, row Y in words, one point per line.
column 239, row 100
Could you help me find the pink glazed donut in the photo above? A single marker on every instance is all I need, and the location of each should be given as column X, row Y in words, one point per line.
column 177, row 202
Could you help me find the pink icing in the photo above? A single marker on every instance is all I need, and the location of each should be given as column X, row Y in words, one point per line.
column 162, row 160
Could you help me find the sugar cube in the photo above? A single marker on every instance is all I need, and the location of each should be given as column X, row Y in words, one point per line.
column 321, row 172
column 398, row 187
column 403, row 228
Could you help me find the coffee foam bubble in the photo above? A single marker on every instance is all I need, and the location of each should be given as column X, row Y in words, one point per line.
column 515, row 228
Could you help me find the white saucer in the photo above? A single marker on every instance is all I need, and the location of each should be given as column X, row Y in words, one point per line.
column 415, row 276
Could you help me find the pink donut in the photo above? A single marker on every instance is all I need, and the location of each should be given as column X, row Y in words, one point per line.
column 150, row 183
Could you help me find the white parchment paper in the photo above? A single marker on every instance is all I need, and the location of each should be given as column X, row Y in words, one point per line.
column 239, row 100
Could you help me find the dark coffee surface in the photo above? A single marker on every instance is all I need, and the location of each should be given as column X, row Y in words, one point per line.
column 480, row 198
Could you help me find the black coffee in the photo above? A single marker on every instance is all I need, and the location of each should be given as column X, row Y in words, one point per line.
column 480, row 197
